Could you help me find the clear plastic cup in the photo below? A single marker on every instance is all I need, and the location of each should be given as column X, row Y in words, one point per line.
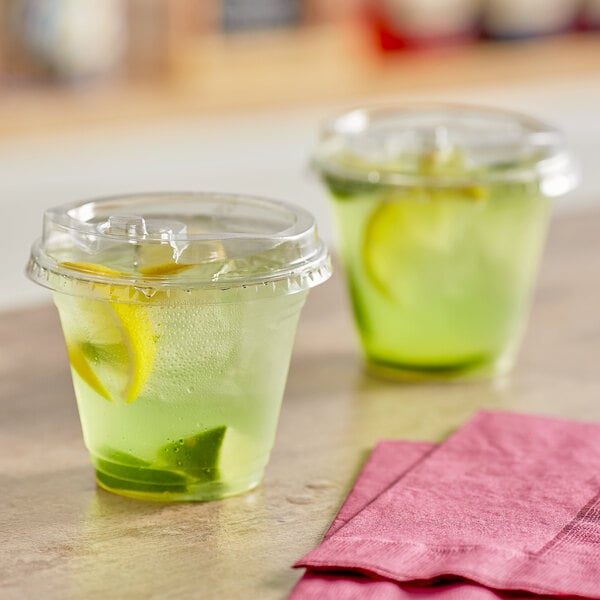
column 442, row 212
column 179, row 313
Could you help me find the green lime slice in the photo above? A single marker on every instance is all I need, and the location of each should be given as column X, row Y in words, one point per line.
column 119, row 470
column 197, row 455
column 345, row 189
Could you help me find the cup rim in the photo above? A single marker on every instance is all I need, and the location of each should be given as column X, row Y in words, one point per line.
column 77, row 223
column 557, row 173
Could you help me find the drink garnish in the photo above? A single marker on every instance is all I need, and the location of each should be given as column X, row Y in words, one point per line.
column 129, row 330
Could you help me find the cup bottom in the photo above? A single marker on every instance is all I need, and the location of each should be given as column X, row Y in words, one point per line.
column 463, row 371
column 142, row 488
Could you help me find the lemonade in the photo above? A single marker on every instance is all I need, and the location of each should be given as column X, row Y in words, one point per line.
column 179, row 344
column 439, row 281
column 441, row 217
column 181, row 397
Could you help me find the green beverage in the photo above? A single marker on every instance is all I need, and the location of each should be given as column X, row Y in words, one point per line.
column 179, row 314
column 442, row 214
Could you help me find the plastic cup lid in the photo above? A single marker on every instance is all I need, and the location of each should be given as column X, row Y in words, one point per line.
column 180, row 240
column 444, row 145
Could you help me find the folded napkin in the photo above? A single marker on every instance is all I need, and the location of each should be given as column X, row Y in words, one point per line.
column 323, row 586
column 387, row 464
column 390, row 460
column 510, row 502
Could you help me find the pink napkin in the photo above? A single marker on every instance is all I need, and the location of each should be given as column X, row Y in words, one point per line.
column 323, row 586
column 388, row 463
column 510, row 502
column 390, row 460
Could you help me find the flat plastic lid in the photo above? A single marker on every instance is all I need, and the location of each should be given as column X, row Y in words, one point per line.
column 182, row 240
column 444, row 145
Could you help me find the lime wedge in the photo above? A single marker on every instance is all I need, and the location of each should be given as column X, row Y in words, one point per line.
column 119, row 470
column 111, row 346
column 197, row 455
column 238, row 451
column 221, row 453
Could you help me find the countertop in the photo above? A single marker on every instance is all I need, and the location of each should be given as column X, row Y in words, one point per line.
column 61, row 537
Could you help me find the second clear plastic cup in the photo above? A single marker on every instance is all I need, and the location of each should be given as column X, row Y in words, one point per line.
column 179, row 313
column 442, row 213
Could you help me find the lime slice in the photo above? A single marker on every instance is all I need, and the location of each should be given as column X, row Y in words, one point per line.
column 197, row 455
column 406, row 232
column 111, row 346
column 237, row 451
column 119, row 470
column 221, row 453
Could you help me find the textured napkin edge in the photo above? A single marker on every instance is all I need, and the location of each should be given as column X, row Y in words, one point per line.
column 422, row 451
column 377, row 558
column 339, row 522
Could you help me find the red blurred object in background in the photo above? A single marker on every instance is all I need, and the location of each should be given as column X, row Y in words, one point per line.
column 401, row 24
column 590, row 18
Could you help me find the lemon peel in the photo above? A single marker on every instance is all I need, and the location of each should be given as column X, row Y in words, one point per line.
column 165, row 269
column 93, row 268
column 82, row 367
column 405, row 229
column 135, row 331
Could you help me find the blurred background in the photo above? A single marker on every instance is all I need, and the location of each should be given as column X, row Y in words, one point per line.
column 107, row 96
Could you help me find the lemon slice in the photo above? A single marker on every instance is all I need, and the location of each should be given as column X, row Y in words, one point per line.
column 138, row 335
column 161, row 260
column 111, row 346
column 82, row 367
column 164, row 269
column 93, row 268
column 408, row 231
column 158, row 260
